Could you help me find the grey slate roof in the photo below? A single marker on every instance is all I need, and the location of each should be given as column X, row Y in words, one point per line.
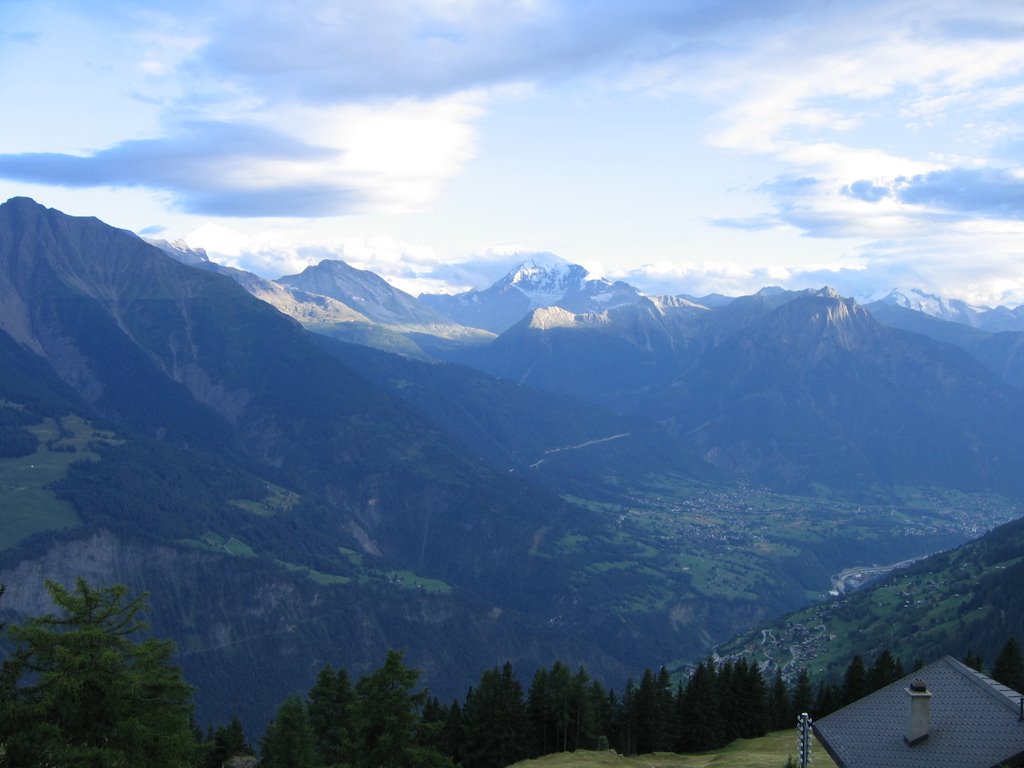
column 974, row 724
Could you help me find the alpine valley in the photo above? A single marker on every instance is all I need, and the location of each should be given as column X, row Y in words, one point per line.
column 320, row 468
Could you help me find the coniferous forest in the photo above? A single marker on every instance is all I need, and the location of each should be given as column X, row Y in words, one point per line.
column 86, row 686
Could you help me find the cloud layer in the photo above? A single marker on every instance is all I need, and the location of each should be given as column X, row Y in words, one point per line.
column 888, row 133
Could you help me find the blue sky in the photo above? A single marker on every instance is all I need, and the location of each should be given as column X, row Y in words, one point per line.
column 684, row 146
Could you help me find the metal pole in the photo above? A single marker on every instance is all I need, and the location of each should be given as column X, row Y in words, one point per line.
column 804, row 739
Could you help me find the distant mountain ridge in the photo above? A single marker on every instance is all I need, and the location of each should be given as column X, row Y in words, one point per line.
column 992, row 319
column 335, row 298
column 531, row 285
column 374, row 298
column 338, row 300
column 818, row 388
column 784, row 388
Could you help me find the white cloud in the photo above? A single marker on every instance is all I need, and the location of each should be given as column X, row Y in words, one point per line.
column 300, row 109
column 396, row 153
column 284, row 250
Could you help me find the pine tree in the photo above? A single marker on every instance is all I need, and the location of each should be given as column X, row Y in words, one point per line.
column 289, row 741
column 226, row 742
column 613, row 721
column 828, row 699
column 596, row 717
column 430, row 732
column 1009, row 666
column 730, row 707
column 803, row 694
column 453, row 740
column 855, row 684
column 549, row 708
column 330, row 715
column 627, row 719
column 702, row 728
column 579, row 725
column 646, row 713
column 495, row 721
column 80, row 690
column 885, row 669
column 541, row 734
column 234, row 738
column 974, row 661
column 751, row 699
column 387, row 715
column 666, row 733
column 780, row 715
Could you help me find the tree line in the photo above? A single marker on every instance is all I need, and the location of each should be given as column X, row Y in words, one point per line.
column 498, row 723
column 83, row 688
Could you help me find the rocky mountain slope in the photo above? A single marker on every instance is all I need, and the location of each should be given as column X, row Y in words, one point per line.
column 232, row 433
column 354, row 305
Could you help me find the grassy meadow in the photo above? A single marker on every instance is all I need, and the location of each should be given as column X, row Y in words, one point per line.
column 769, row 751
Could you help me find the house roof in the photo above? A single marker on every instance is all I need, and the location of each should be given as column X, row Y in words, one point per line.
column 975, row 723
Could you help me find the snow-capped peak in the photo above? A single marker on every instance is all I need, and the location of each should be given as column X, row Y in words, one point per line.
column 931, row 304
column 180, row 251
column 544, row 284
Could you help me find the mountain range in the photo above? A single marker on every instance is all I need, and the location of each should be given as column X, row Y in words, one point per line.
column 527, row 287
column 618, row 485
column 994, row 319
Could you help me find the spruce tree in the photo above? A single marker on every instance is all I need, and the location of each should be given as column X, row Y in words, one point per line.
column 751, row 700
column 627, row 719
column 330, row 715
column 289, row 741
column 387, row 713
column 646, row 713
column 453, row 737
column 974, row 661
column 855, row 684
column 828, row 699
column 537, row 705
column 803, row 694
column 780, row 714
column 885, row 669
column 596, row 717
column 495, row 721
column 666, row 733
column 702, row 728
column 430, row 732
column 555, row 708
column 1009, row 666
column 226, row 742
column 613, row 721
column 729, row 706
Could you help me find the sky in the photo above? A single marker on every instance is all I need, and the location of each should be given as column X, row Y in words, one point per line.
column 686, row 146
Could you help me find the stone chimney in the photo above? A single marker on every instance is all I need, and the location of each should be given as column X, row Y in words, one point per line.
column 920, row 712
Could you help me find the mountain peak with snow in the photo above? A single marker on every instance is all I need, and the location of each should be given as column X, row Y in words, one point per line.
column 954, row 310
column 534, row 283
column 544, row 284
column 179, row 250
